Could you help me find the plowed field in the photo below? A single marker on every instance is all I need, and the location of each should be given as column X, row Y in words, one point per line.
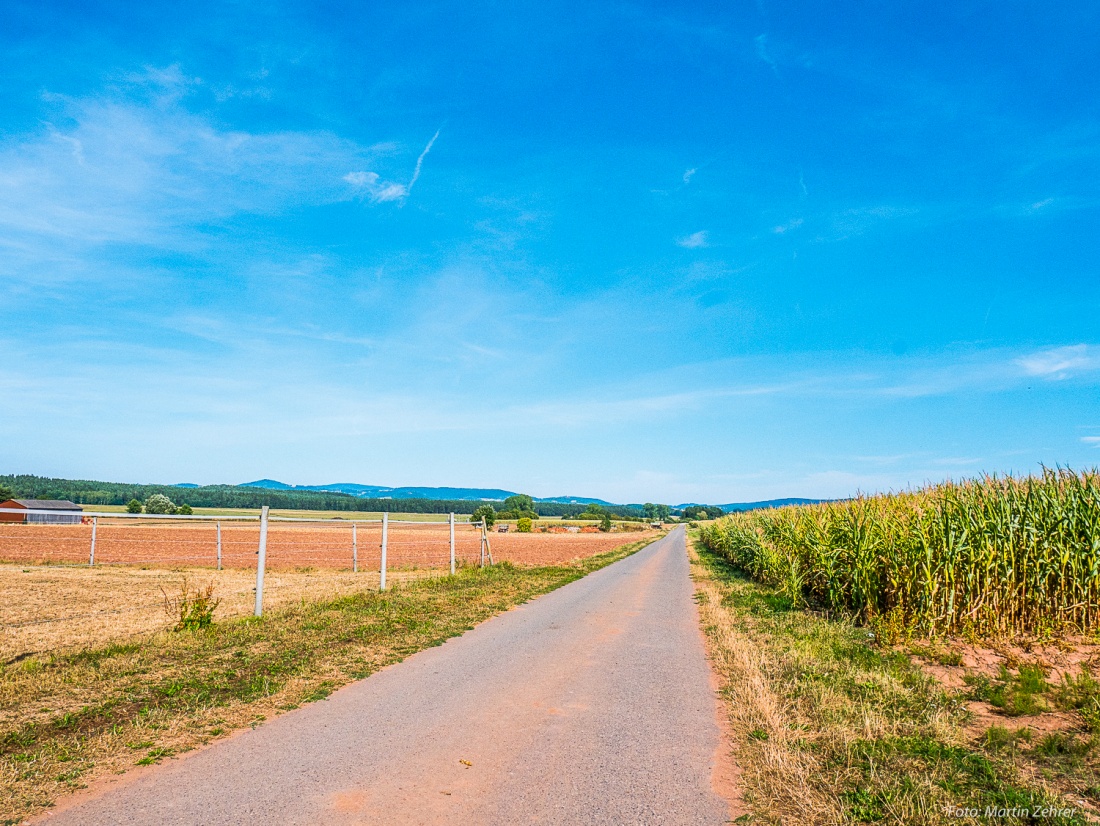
column 422, row 545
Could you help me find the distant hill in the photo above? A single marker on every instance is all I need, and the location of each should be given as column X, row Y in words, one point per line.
column 573, row 500
column 770, row 503
column 380, row 492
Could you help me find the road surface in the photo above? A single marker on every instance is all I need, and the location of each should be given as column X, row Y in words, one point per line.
column 590, row 705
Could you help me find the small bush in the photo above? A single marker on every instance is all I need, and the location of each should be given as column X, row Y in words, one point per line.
column 523, row 525
column 605, row 522
column 193, row 608
column 485, row 512
column 133, row 506
column 184, row 510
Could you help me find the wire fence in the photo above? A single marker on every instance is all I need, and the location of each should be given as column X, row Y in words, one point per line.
column 108, row 576
column 233, row 542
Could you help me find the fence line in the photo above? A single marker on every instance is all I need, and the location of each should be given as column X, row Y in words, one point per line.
column 418, row 542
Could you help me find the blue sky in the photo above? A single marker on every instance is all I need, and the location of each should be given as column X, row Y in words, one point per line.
column 636, row 251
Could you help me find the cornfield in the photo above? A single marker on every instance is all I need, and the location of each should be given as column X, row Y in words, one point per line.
column 994, row 556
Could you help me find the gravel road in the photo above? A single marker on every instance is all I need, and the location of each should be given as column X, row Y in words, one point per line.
column 590, row 705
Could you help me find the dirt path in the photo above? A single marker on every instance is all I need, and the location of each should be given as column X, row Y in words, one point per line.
column 589, row 705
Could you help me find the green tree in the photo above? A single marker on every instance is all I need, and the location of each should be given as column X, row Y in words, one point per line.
column 658, row 513
column 133, row 506
column 605, row 522
column 523, row 525
column 485, row 512
column 184, row 510
column 6, row 493
column 519, row 506
column 519, row 503
column 159, row 503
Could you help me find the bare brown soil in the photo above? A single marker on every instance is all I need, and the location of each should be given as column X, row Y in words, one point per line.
column 1064, row 658
column 289, row 546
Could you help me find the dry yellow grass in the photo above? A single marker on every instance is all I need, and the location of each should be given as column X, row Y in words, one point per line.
column 768, row 769
column 50, row 609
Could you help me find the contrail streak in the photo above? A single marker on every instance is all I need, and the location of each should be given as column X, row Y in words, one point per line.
column 420, row 162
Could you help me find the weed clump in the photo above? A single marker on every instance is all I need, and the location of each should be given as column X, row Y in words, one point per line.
column 192, row 608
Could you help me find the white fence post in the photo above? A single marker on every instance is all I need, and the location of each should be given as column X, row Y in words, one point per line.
column 385, row 539
column 261, row 563
column 91, row 555
column 483, row 529
column 219, row 546
column 354, row 551
column 452, row 521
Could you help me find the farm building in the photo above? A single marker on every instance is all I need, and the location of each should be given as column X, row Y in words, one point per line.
column 61, row 511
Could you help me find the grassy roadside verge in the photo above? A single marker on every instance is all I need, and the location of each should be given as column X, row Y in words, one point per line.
column 829, row 728
column 70, row 718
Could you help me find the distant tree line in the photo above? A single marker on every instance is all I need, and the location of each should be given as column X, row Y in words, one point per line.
column 702, row 512
column 87, row 492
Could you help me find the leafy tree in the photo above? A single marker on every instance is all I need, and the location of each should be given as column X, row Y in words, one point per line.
column 133, row 506
column 519, row 502
column 519, row 506
column 5, row 493
column 656, row 512
column 159, row 503
column 523, row 525
column 184, row 510
column 605, row 522
column 485, row 512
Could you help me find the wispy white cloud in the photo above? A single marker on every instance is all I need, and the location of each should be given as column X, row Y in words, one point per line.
column 794, row 223
column 377, row 190
column 689, row 174
column 1091, row 440
column 132, row 165
column 122, row 169
column 1058, row 363
column 697, row 240
column 762, row 52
